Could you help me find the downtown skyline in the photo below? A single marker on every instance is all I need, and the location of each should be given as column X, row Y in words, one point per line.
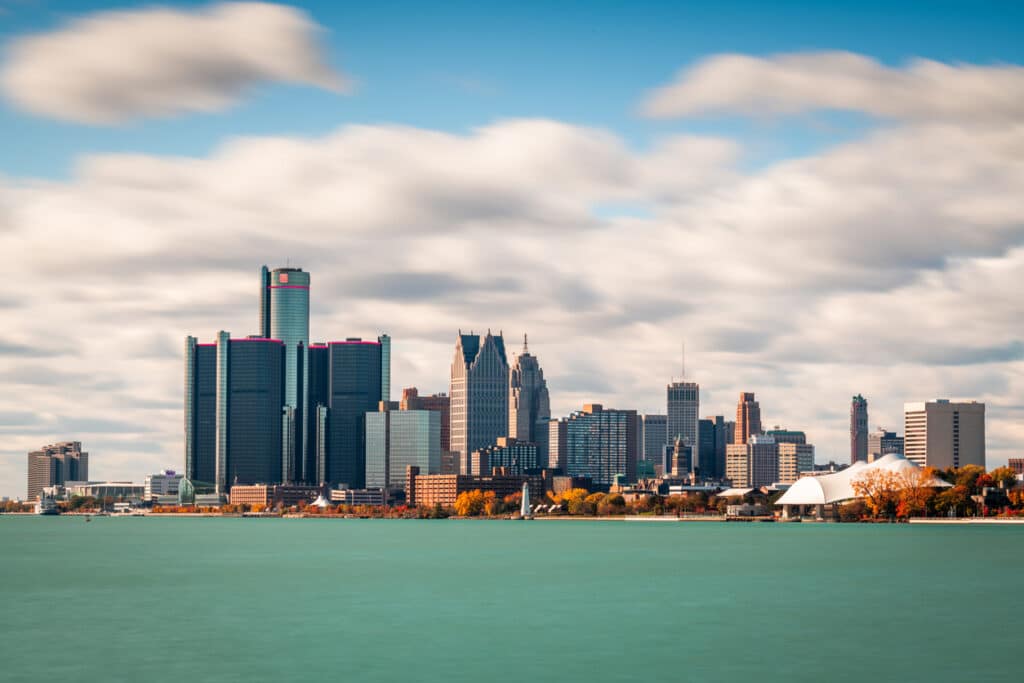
column 805, row 255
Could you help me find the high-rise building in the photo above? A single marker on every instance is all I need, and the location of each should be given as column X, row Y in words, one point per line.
column 515, row 456
column 787, row 435
column 654, row 437
column 600, row 443
column 725, row 431
column 683, row 411
column 244, row 411
column 881, row 442
column 356, row 377
column 411, row 400
column 284, row 315
column 748, row 418
column 858, row 429
column 753, row 464
column 557, row 434
column 54, row 465
column 529, row 406
column 396, row 439
column 706, row 449
column 944, row 433
column 479, row 394
column 794, row 460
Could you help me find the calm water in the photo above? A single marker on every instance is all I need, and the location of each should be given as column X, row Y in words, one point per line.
column 320, row 600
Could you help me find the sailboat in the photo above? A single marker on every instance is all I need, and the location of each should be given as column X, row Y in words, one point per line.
column 524, row 505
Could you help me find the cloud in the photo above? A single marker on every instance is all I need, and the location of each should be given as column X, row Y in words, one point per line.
column 111, row 67
column 922, row 90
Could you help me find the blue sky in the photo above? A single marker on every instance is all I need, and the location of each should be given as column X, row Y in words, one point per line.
column 815, row 213
column 458, row 65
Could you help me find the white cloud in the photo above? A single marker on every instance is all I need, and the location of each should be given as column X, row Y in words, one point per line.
column 793, row 83
column 110, row 67
column 887, row 266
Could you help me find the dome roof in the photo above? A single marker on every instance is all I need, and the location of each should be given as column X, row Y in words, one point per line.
column 838, row 486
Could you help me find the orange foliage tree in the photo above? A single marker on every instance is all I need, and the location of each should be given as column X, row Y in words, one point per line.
column 880, row 491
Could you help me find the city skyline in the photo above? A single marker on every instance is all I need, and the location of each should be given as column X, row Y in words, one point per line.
column 610, row 203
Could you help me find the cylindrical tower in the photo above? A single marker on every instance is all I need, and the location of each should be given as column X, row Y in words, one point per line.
column 288, row 293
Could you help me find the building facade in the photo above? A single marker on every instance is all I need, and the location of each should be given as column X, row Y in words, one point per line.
column 1017, row 465
column 514, row 456
column 479, row 394
column 683, row 410
column 54, row 465
column 858, row 429
column 881, row 442
column 795, row 459
column 653, row 438
column 748, row 418
column 944, row 433
column 753, row 464
column 600, row 444
column 396, row 439
column 529, row 405
column 164, row 483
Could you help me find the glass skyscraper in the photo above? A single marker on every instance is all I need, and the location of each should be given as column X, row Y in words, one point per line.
column 396, row 439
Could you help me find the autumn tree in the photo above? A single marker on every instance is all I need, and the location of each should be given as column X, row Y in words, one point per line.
column 473, row 503
column 917, row 489
column 880, row 491
column 1004, row 477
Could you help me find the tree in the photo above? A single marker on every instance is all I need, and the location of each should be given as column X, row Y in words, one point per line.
column 472, row 503
column 917, row 488
column 954, row 499
column 1004, row 477
column 880, row 491
column 968, row 476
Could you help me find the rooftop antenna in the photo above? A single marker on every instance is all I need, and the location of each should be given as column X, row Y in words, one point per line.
column 526, row 347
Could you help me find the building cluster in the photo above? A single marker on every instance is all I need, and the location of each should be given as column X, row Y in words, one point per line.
column 276, row 417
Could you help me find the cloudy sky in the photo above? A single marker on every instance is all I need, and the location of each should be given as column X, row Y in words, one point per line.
column 821, row 202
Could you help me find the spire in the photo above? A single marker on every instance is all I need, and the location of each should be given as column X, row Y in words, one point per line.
column 526, row 347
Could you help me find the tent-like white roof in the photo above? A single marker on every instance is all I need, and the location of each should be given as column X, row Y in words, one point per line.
column 838, row 486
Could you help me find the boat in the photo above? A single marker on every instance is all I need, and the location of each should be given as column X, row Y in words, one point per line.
column 46, row 505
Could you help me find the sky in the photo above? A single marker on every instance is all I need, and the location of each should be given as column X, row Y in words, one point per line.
column 818, row 200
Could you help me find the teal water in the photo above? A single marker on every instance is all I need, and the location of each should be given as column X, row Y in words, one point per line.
column 147, row 599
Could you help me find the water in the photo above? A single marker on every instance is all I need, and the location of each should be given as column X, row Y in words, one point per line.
column 377, row 600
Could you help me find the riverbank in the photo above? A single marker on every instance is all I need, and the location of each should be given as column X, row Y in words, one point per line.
column 966, row 520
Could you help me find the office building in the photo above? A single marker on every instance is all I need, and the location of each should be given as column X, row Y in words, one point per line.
column 706, row 465
column 653, row 438
column 748, row 419
column 753, row 464
column 396, row 439
column 944, row 433
column 411, row 400
column 787, row 435
column 1017, row 465
column 284, row 316
column 234, row 405
column 795, row 459
column 557, row 434
column 164, row 483
column 529, row 406
column 479, row 394
column 683, row 410
column 881, row 442
column 724, row 433
column 514, row 456
column 54, row 465
column 273, row 495
column 427, row 490
column 858, row 429
column 599, row 443
column 680, row 459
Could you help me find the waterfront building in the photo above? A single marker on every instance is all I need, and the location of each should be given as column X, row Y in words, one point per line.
column 753, row 464
column 369, row 496
column 858, row 429
column 683, row 403
column 479, row 394
column 881, row 442
column 943, row 433
column 104, row 489
column 600, row 443
column 795, row 460
column 748, row 419
column 396, row 439
column 529, row 405
column 512, row 455
column 284, row 315
column 427, row 490
column 243, row 412
column 55, row 464
column 654, row 437
column 272, row 495
column 164, row 483
column 1017, row 465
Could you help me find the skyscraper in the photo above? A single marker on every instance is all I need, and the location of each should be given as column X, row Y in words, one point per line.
column 943, row 433
column 683, row 411
column 479, row 394
column 753, row 464
column 881, row 442
column 748, row 418
column 54, row 465
column 396, row 439
column 600, row 443
column 356, row 379
column 284, row 315
column 244, row 410
column 529, row 406
column 653, row 439
column 725, row 432
column 858, row 429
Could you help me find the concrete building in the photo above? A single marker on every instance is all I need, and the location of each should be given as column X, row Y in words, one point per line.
column 748, row 419
column 164, row 483
column 479, row 394
column 881, row 442
column 1017, row 465
column 427, row 490
column 55, row 464
column 411, row 400
column 369, row 496
column 558, row 432
column 104, row 489
column 272, row 495
column 858, row 429
column 795, row 460
column 529, row 405
column 683, row 410
column 396, row 439
column 787, row 435
column 654, row 437
column 753, row 464
column 600, row 443
column 944, row 433
column 514, row 456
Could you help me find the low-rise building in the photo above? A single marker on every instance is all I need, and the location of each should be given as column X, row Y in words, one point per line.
column 104, row 489
column 427, row 490
column 272, row 495
column 358, row 496
column 795, row 459
column 511, row 454
column 164, row 483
